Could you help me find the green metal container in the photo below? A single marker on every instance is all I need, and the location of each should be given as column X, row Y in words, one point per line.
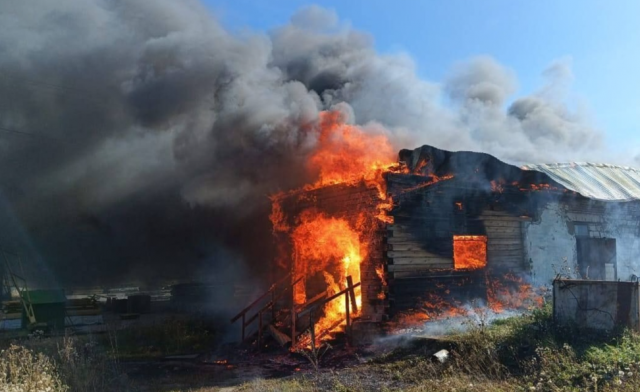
column 48, row 307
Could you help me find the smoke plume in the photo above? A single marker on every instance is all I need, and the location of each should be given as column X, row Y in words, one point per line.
column 137, row 137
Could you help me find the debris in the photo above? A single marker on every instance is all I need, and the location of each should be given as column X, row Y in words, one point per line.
column 441, row 356
column 279, row 336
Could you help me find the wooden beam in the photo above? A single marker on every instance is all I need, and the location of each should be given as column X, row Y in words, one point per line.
column 352, row 294
column 280, row 337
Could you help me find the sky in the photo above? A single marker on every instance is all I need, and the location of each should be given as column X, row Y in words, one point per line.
column 600, row 39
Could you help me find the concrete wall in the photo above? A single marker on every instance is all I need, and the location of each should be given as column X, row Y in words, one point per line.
column 550, row 243
column 549, row 247
column 621, row 221
column 596, row 304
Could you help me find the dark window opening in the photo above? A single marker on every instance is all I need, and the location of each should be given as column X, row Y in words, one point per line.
column 596, row 258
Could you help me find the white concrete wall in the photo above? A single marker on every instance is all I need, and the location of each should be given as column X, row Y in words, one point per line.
column 549, row 247
column 622, row 225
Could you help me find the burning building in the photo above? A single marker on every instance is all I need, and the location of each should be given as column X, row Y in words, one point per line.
column 434, row 231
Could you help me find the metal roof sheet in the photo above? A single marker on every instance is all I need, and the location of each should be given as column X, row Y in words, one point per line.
column 594, row 180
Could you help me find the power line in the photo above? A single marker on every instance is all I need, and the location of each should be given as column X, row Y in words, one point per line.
column 31, row 134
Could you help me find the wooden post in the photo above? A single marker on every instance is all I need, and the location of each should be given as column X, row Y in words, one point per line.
column 273, row 307
column 293, row 300
column 346, row 305
column 352, row 294
column 260, row 330
column 293, row 323
column 243, row 326
column 313, row 331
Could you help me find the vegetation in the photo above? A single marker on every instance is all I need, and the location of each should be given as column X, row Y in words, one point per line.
column 172, row 336
column 525, row 353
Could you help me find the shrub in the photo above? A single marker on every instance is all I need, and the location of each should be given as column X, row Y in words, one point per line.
column 22, row 370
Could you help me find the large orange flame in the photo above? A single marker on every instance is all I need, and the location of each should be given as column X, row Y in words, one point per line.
column 332, row 247
column 346, row 153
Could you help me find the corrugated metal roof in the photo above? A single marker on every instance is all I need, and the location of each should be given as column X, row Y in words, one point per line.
column 594, row 180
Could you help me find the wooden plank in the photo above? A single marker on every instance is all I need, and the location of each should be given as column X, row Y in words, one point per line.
column 503, row 229
column 352, row 295
column 435, row 234
column 421, row 260
column 497, row 235
column 402, row 241
column 510, row 253
column 406, row 247
column 406, row 275
column 502, row 222
column 409, row 253
column 416, row 267
column 492, row 241
column 282, row 338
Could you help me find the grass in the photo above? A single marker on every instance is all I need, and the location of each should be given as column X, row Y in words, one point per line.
column 524, row 353
column 171, row 337
column 58, row 365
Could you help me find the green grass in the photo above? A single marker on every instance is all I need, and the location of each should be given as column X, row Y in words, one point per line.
column 524, row 353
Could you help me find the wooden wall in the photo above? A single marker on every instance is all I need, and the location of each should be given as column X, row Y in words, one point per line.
column 419, row 245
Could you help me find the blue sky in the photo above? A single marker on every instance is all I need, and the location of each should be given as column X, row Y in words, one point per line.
column 602, row 38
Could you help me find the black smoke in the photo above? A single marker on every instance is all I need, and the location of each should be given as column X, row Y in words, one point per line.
column 139, row 138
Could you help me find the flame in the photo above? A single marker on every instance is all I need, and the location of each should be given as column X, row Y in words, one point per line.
column 511, row 292
column 330, row 246
column 469, row 252
column 434, row 179
column 346, row 153
column 383, row 280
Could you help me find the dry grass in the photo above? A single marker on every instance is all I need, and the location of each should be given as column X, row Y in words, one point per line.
column 526, row 353
column 22, row 370
column 60, row 364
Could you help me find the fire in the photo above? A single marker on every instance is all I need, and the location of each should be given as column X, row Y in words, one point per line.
column 331, row 247
column 497, row 186
column 346, row 153
column 511, row 292
column 434, row 179
column 436, row 307
column 469, row 252
column 328, row 249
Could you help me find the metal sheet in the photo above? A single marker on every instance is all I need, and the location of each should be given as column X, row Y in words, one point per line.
column 594, row 180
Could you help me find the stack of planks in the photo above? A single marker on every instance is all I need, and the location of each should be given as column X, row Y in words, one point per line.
column 505, row 249
column 406, row 255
